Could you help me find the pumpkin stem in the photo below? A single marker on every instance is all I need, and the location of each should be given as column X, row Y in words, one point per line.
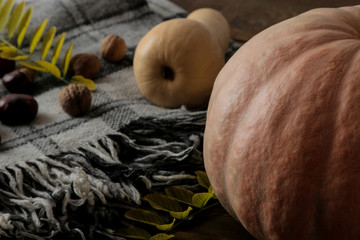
column 167, row 73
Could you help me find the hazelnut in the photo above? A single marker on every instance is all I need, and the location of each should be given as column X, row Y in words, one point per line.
column 18, row 109
column 19, row 80
column 85, row 64
column 112, row 48
column 6, row 66
column 75, row 99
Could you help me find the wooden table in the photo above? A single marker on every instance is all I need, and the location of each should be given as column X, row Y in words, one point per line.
column 246, row 18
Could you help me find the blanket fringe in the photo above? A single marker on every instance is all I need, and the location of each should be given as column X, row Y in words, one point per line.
column 79, row 194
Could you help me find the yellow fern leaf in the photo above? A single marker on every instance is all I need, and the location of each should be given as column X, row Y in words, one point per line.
column 37, row 35
column 24, row 23
column 78, row 79
column 48, row 39
column 57, row 48
column 67, row 58
column 15, row 18
column 5, row 13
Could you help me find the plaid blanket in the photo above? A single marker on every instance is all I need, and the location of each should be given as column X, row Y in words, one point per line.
column 59, row 174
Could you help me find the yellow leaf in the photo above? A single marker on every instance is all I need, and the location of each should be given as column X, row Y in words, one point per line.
column 12, row 54
column 33, row 66
column 57, row 48
column 5, row 13
column 181, row 194
column 37, row 35
column 4, row 47
column 162, row 202
column 166, row 227
column 48, row 39
column 15, row 18
column 133, row 232
column 24, row 23
column 162, row 236
column 78, row 79
column 144, row 216
column 203, row 179
column 67, row 59
column 181, row 215
column 201, row 199
column 51, row 68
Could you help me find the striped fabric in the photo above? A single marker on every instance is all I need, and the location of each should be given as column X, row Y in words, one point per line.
column 60, row 175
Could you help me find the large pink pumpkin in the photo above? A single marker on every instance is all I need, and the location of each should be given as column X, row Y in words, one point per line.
column 282, row 138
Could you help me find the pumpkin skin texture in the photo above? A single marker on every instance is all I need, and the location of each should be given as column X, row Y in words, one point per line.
column 177, row 61
column 282, row 137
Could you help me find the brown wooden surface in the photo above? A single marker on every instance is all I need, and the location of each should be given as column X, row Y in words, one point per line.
column 247, row 18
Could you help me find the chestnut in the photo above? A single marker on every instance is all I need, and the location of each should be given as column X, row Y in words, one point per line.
column 19, row 80
column 6, row 66
column 17, row 109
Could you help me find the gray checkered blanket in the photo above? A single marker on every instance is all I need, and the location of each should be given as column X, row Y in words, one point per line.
column 62, row 176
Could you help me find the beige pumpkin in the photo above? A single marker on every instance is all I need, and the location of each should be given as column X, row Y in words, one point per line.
column 282, row 138
column 177, row 61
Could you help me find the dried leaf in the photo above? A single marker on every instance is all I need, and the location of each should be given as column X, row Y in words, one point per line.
column 47, row 41
column 78, row 79
column 57, row 48
column 201, row 199
column 4, row 47
column 181, row 194
column 5, row 13
column 203, row 179
column 24, row 24
column 166, row 227
column 51, row 68
column 133, row 232
column 181, row 215
column 162, row 236
column 37, row 35
column 211, row 190
column 163, row 202
column 145, row 216
column 33, row 66
column 11, row 53
column 15, row 18
column 67, row 58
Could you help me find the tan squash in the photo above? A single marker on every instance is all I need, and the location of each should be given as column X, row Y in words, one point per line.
column 177, row 61
column 282, row 138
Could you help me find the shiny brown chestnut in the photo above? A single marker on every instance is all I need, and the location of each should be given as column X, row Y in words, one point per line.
column 18, row 81
column 17, row 109
column 6, row 66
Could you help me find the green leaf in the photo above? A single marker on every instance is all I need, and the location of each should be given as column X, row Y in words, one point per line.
column 24, row 24
column 211, row 190
column 166, row 227
column 33, row 66
column 5, row 13
column 163, row 202
column 49, row 67
column 162, row 236
column 57, row 48
column 46, row 44
column 181, row 215
column 203, row 179
column 11, row 53
column 181, row 194
column 144, row 216
column 133, row 232
column 15, row 18
column 201, row 199
column 78, row 79
column 67, row 58
column 37, row 35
